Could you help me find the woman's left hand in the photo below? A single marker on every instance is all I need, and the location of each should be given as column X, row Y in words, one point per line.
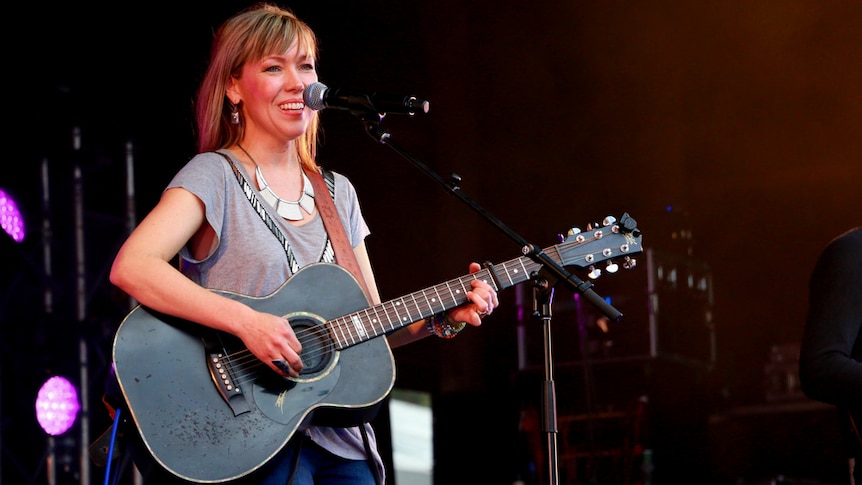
column 482, row 301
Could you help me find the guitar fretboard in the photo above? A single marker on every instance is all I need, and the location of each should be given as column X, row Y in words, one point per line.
column 374, row 321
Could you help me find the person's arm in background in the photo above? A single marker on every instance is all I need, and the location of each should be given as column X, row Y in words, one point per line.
column 830, row 360
column 829, row 369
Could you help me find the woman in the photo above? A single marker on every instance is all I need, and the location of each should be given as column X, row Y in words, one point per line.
column 252, row 122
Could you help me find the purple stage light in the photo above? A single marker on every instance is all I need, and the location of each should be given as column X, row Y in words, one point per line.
column 10, row 217
column 57, row 405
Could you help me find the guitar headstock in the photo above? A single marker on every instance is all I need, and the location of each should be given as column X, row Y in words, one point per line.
column 612, row 241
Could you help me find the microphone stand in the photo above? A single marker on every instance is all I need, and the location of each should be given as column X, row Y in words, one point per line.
column 544, row 280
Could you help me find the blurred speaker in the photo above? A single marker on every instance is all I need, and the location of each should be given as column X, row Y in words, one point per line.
column 666, row 302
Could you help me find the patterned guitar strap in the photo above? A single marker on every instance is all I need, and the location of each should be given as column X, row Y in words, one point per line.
column 345, row 257
column 343, row 250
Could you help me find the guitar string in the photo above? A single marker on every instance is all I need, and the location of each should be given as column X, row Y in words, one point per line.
column 238, row 360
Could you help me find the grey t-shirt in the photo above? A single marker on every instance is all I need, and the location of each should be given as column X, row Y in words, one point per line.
column 249, row 259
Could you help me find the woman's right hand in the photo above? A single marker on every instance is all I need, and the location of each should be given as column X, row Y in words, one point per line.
column 272, row 340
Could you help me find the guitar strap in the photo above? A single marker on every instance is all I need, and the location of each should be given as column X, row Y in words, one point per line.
column 340, row 244
column 344, row 256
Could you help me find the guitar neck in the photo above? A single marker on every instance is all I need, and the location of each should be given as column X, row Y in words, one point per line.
column 377, row 320
column 580, row 249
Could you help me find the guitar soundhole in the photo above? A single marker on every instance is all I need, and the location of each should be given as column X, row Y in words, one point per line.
column 317, row 347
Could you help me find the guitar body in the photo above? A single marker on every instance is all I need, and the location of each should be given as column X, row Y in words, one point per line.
column 202, row 434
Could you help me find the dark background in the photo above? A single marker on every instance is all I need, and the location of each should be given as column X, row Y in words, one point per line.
column 742, row 117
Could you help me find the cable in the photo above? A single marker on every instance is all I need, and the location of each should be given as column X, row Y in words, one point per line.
column 111, row 444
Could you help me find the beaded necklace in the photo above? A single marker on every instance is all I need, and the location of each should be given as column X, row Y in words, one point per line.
column 285, row 208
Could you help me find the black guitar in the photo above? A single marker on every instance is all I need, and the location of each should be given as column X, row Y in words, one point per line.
column 209, row 411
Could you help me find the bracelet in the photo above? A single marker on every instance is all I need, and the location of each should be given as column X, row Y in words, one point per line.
column 443, row 326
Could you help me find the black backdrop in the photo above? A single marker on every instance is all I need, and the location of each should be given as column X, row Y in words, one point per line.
column 742, row 117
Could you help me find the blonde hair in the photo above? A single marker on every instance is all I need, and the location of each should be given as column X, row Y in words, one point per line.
column 250, row 35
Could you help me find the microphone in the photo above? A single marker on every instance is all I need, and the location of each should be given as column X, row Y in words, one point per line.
column 318, row 96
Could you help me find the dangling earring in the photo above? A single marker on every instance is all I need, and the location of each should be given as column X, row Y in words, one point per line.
column 234, row 114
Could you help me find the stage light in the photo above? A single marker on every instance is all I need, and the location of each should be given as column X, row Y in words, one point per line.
column 10, row 217
column 57, row 405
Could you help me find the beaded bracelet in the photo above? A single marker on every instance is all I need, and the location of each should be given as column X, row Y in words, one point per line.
column 443, row 326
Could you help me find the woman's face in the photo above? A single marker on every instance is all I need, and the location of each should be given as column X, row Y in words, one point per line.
column 271, row 93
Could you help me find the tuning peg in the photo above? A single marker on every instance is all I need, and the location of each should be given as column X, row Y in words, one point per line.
column 609, row 220
column 575, row 235
column 629, row 262
column 594, row 272
column 612, row 267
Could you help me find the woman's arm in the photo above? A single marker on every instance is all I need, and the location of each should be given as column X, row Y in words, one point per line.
column 143, row 270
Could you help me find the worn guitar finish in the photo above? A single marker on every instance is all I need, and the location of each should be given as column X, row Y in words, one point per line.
column 209, row 411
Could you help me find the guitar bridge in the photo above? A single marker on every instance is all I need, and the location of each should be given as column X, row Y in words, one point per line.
column 224, row 382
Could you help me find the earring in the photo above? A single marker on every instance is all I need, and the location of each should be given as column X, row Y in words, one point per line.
column 234, row 114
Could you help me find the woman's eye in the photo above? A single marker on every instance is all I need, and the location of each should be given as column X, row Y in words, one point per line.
column 307, row 67
column 273, row 69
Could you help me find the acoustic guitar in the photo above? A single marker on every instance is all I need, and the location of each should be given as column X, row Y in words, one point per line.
column 209, row 411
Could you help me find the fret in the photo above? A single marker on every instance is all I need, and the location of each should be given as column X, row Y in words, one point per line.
column 508, row 274
column 489, row 278
column 529, row 266
column 418, row 308
column 438, row 299
column 465, row 286
column 408, row 310
column 379, row 321
column 338, row 330
column 393, row 314
column 370, row 321
column 426, row 307
column 526, row 272
column 395, row 305
column 452, row 294
column 392, row 326
column 462, row 290
column 431, row 300
column 512, row 274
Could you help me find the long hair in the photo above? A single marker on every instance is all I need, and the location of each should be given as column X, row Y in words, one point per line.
column 250, row 35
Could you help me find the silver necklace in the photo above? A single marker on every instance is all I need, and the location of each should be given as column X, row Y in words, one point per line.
column 286, row 208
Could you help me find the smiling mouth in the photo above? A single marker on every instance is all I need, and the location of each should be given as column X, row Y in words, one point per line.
column 292, row 106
